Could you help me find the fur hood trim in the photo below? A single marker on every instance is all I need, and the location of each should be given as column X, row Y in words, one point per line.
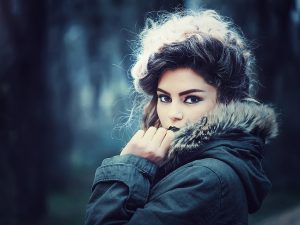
column 248, row 117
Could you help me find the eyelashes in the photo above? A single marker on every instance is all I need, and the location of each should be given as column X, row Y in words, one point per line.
column 190, row 99
column 164, row 98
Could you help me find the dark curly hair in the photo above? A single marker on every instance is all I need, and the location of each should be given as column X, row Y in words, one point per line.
column 223, row 67
column 203, row 41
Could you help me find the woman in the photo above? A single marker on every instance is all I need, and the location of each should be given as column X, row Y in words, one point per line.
column 197, row 159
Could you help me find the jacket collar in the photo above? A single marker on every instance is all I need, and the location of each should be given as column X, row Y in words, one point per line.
column 248, row 117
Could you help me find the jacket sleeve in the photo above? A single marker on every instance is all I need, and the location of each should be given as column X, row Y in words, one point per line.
column 188, row 196
column 121, row 185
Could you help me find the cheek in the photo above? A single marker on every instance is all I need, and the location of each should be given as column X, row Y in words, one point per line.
column 161, row 113
column 158, row 111
column 194, row 114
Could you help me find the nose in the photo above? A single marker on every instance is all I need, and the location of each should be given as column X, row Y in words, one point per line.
column 176, row 116
column 175, row 113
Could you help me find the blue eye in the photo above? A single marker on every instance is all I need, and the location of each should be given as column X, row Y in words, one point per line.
column 164, row 98
column 192, row 99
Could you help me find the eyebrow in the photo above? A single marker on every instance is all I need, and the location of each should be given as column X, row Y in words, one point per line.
column 183, row 92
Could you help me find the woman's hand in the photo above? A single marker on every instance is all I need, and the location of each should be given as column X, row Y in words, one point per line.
column 152, row 144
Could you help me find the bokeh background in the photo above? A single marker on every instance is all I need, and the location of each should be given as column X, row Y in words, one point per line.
column 65, row 96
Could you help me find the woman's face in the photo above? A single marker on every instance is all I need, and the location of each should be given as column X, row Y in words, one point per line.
column 183, row 96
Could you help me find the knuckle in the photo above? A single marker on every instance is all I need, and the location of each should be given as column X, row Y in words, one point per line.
column 170, row 134
column 140, row 131
column 162, row 130
column 152, row 128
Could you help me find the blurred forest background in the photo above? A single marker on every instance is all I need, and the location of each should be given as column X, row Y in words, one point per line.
column 64, row 92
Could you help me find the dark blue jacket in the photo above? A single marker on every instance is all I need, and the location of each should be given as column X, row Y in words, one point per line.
column 213, row 175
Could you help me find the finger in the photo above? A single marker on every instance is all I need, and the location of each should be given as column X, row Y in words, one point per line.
column 138, row 135
column 158, row 137
column 149, row 134
column 165, row 145
column 135, row 138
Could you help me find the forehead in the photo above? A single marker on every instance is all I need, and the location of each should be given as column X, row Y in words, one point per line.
column 182, row 79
